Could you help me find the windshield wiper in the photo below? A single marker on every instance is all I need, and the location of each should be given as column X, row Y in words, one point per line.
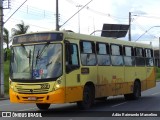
column 28, row 55
column 48, row 64
column 42, row 51
column 39, row 54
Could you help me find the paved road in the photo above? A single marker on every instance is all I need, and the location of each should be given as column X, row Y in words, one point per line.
column 150, row 101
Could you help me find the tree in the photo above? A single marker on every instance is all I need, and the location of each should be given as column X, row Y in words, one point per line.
column 21, row 29
column 6, row 37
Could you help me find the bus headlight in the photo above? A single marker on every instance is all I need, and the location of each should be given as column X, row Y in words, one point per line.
column 10, row 84
column 57, row 86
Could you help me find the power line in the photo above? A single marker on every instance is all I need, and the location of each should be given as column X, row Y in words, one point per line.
column 15, row 20
column 76, row 13
column 16, row 11
column 151, row 17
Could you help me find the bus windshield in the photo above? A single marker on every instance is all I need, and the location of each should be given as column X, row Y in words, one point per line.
column 40, row 61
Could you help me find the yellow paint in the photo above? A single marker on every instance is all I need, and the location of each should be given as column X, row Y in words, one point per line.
column 108, row 80
column 57, row 96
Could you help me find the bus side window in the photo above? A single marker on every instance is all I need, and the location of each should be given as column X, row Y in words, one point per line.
column 72, row 59
column 129, row 59
column 116, row 55
column 88, row 57
column 149, row 57
column 140, row 61
column 103, row 54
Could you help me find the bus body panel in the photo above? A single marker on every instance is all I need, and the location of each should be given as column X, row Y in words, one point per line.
column 74, row 90
column 51, row 97
column 108, row 80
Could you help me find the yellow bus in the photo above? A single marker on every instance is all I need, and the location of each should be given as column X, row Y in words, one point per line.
column 63, row 67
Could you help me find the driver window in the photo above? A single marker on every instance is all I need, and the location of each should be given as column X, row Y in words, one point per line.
column 71, row 56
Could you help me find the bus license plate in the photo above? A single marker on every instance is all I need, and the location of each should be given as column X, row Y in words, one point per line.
column 32, row 98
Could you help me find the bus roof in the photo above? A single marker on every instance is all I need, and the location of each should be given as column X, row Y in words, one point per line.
column 76, row 36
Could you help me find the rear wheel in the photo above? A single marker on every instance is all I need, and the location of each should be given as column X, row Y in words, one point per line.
column 43, row 106
column 136, row 92
column 102, row 99
column 88, row 98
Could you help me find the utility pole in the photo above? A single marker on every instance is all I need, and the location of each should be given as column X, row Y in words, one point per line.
column 79, row 18
column 57, row 15
column 129, row 32
column 1, row 52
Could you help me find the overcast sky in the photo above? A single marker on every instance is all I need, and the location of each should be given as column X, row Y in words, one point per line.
column 40, row 15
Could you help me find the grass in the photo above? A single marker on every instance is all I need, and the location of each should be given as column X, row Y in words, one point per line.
column 157, row 73
column 6, row 76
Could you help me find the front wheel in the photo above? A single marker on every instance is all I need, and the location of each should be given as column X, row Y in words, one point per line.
column 88, row 98
column 43, row 106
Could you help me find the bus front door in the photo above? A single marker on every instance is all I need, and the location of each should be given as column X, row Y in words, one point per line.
column 73, row 86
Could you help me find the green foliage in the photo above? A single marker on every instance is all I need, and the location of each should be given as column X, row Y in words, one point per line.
column 8, row 54
column 6, row 76
column 157, row 73
column 20, row 29
column 6, row 71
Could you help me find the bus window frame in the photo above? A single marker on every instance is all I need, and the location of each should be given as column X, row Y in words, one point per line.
column 93, row 45
column 143, row 56
column 152, row 57
column 107, row 52
column 121, row 53
column 132, row 55
column 70, row 67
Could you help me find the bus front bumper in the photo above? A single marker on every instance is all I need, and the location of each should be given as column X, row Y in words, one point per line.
column 57, row 96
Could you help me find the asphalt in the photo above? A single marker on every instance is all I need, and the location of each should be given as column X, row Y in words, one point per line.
column 5, row 97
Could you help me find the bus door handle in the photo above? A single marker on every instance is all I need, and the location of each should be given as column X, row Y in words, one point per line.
column 78, row 77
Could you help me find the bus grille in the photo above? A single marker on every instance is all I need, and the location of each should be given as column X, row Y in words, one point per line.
column 32, row 88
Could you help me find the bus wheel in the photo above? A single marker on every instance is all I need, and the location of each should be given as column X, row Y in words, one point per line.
column 88, row 98
column 128, row 96
column 43, row 106
column 136, row 90
column 104, row 99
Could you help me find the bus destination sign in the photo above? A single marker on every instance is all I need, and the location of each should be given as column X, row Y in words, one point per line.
column 38, row 37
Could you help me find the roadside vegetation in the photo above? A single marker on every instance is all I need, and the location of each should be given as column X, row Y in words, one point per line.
column 157, row 73
column 6, row 76
column 20, row 28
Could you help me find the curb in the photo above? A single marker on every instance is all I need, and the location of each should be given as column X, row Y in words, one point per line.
column 4, row 98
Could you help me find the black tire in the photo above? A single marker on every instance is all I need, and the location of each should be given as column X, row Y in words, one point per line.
column 128, row 96
column 43, row 106
column 104, row 99
column 88, row 98
column 136, row 92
